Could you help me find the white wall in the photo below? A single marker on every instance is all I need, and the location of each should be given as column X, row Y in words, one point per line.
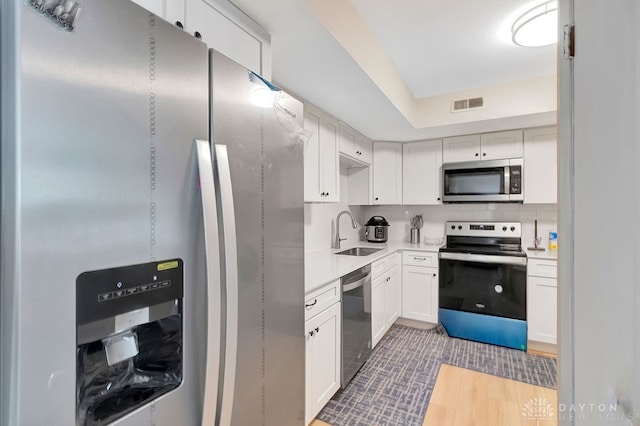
column 436, row 216
column 600, row 351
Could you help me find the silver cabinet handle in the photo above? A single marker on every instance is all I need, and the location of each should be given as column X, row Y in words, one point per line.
column 213, row 286
column 231, row 280
column 421, row 259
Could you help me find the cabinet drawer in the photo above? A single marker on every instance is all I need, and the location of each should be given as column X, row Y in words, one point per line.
column 419, row 258
column 320, row 299
column 542, row 268
column 379, row 267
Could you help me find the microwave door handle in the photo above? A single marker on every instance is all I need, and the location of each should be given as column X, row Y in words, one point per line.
column 507, row 180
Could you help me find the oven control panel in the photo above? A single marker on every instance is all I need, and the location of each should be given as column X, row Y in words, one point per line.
column 485, row 229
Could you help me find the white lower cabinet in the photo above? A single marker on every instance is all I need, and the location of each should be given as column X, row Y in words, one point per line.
column 378, row 287
column 420, row 286
column 542, row 301
column 392, row 297
column 322, row 378
column 385, row 302
column 420, row 293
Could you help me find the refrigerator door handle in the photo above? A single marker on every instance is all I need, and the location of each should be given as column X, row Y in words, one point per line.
column 213, row 290
column 231, row 281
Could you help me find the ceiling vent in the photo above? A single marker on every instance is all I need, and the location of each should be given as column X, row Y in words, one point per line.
column 466, row 104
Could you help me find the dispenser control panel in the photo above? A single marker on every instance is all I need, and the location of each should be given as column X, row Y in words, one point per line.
column 110, row 292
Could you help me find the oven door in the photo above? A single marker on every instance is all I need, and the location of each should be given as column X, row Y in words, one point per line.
column 484, row 284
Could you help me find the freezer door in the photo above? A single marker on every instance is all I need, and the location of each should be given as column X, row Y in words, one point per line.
column 263, row 134
column 99, row 171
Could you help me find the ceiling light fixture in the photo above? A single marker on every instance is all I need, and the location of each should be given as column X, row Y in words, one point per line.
column 537, row 26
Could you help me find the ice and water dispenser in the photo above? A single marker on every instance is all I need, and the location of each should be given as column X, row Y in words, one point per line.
column 129, row 338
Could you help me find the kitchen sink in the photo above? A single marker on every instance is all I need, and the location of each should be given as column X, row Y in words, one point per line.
column 359, row 251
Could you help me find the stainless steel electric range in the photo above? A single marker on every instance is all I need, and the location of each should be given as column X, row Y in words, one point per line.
column 483, row 283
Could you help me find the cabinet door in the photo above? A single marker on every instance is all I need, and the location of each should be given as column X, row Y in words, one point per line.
column 378, row 308
column 501, row 145
column 169, row 10
column 387, row 173
column 354, row 145
column 541, row 165
column 420, row 293
column 461, row 148
column 323, row 353
column 312, row 168
column 392, row 299
column 330, row 158
column 347, row 140
column 321, row 157
column 542, row 309
column 223, row 32
column 421, row 172
column 363, row 148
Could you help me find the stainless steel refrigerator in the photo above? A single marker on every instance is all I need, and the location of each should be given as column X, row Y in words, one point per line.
column 152, row 226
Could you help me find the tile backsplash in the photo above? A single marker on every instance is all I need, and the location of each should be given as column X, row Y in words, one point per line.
column 319, row 225
column 436, row 216
column 320, row 221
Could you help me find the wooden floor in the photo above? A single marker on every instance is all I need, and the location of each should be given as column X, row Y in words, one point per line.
column 464, row 397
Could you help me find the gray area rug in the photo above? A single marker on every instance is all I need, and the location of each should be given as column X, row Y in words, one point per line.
column 394, row 387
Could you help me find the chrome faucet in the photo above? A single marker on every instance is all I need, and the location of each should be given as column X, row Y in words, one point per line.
column 336, row 243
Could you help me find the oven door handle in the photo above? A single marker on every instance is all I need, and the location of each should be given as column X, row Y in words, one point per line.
column 483, row 258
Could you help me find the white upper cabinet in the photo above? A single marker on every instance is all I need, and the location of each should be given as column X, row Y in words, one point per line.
column 488, row 146
column 169, row 10
column 421, row 172
column 221, row 25
column 228, row 30
column 541, row 165
column 354, row 145
column 363, row 148
column 501, row 145
column 461, row 148
column 321, row 157
column 387, row 173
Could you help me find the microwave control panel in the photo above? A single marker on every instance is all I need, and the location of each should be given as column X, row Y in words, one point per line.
column 515, row 180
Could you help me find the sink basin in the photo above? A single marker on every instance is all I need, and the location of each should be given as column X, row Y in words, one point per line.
column 359, row 251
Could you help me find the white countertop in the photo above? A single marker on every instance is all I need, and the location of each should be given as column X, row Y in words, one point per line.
column 546, row 254
column 323, row 266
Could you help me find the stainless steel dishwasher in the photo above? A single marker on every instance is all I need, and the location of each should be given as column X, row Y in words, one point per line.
column 356, row 322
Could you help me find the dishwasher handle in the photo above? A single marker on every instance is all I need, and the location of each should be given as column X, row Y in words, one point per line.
column 355, row 284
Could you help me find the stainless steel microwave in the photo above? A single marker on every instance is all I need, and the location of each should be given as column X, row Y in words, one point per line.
column 493, row 181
